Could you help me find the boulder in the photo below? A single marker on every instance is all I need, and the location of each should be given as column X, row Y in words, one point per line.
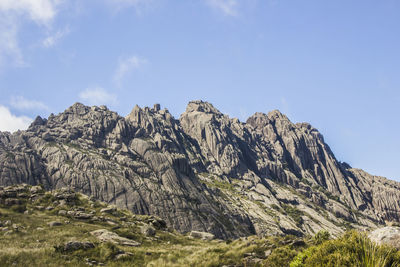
column 54, row 223
column 157, row 223
column 75, row 245
column 202, row 235
column 66, row 194
column 71, row 213
column 148, row 230
column 109, row 209
column 62, row 212
column 82, row 215
column 13, row 201
column 105, row 235
column 389, row 235
column 123, row 255
column 36, row 189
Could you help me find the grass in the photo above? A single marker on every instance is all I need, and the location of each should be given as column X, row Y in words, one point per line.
column 217, row 183
column 35, row 243
column 351, row 249
column 294, row 213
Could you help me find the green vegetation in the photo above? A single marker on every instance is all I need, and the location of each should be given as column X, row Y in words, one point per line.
column 266, row 209
column 275, row 207
column 294, row 213
column 321, row 237
column 73, row 145
column 10, row 155
column 328, row 194
column 352, row 249
column 27, row 238
column 216, row 182
column 281, row 256
column 38, row 244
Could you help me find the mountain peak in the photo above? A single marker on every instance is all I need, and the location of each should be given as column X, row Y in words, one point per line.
column 78, row 108
column 150, row 163
column 201, row 106
column 277, row 115
column 260, row 119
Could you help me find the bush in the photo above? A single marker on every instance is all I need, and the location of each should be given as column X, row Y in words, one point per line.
column 18, row 208
column 281, row 257
column 321, row 237
column 108, row 251
column 294, row 213
column 352, row 249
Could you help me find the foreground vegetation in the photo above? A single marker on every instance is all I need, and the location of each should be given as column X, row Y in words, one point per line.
column 37, row 225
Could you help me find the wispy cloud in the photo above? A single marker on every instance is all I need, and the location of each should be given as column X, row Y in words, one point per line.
column 12, row 13
column 52, row 39
column 138, row 5
column 244, row 114
column 40, row 11
column 21, row 103
column 285, row 106
column 227, row 7
column 97, row 96
column 127, row 65
column 10, row 122
column 10, row 52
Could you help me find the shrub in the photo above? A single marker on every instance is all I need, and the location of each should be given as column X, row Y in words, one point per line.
column 294, row 213
column 321, row 237
column 108, row 251
column 281, row 257
column 19, row 208
column 352, row 249
column 275, row 207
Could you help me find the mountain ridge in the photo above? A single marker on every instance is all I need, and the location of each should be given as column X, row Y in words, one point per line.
column 203, row 171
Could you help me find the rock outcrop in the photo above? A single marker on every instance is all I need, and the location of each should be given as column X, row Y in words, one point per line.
column 105, row 235
column 205, row 172
column 389, row 235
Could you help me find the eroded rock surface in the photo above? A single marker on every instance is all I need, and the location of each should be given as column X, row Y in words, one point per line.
column 105, row 235
column 389, row 235
column 205, row 172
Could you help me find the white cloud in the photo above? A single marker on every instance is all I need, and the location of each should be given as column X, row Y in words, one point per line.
column 40, row 11
column 51, row 40
column 127, row 65
column 227, row 7
column 21, row 103
column 12, row 123
column 10, row 52
column 97, row 96
column 12, row 14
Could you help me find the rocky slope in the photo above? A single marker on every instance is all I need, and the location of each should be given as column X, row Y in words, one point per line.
column 204, row 172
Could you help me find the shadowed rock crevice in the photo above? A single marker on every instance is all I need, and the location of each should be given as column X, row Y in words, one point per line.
column 205, row 172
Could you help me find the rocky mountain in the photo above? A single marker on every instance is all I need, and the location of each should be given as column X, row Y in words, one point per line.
column 65, row 228
column 204, row 171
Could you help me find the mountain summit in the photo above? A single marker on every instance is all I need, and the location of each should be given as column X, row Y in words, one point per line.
column 204, row 171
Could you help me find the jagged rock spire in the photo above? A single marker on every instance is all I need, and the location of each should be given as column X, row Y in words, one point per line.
column 204, row 172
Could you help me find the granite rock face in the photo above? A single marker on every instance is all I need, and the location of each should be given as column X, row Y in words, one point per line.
column 389, row 235
column 205, row 172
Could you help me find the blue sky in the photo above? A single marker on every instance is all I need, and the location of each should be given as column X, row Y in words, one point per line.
column 334, row 64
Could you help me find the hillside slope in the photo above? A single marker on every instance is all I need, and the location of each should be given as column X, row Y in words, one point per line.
column 204, row 172
column 64, row 228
